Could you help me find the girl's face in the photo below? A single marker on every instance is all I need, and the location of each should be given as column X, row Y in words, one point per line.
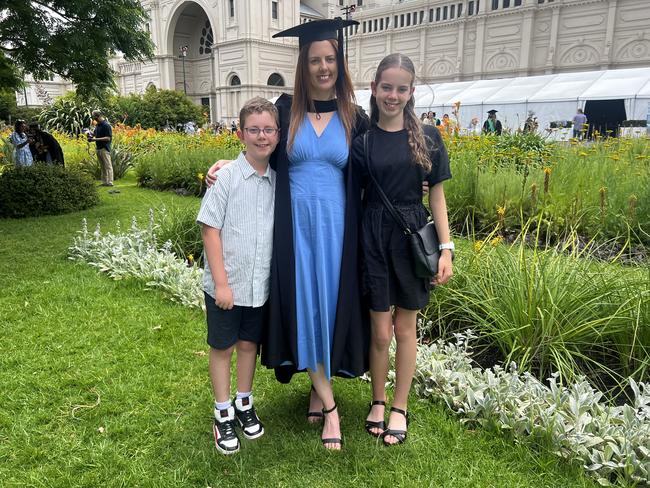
column 392, row 92
column 323, row 69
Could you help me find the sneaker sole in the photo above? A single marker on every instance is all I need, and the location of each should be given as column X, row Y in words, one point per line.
column 250, row 437
column 223, row 451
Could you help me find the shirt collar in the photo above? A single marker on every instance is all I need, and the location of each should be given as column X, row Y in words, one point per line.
column 248, row 171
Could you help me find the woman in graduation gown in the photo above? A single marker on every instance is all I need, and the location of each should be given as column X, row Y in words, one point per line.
column 317, row 321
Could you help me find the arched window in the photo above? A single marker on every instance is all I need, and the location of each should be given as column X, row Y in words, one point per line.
column 206, row 39
column 235, row 81
column 275, row 80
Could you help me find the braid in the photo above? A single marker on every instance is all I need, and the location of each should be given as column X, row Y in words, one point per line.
column 417, row 139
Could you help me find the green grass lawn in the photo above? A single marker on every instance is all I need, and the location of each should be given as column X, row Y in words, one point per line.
column 104, row 383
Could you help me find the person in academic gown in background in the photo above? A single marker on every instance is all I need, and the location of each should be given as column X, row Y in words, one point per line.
column 492, row 125
column 317, row 322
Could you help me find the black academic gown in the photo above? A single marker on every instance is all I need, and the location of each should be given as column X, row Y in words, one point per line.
column 349, row 354
column 498, row 128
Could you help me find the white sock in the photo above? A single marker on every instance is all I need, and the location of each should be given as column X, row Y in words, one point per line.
column 244, row 394
column 222, row 405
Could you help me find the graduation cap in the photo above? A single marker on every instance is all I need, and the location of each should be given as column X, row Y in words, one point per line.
column 318, row 30
column 321, row 30
column 492, row 112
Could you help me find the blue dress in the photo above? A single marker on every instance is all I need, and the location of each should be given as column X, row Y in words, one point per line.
column 317, row 185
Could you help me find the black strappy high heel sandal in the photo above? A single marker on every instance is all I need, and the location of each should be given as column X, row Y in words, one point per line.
column 318, row 415
column 375, row 424
column 400, row 435
column 331, row 440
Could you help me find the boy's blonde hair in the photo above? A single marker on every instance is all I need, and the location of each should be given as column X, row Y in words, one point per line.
column 257, row 105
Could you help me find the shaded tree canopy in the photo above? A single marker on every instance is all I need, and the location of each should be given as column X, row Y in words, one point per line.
column 71, row 38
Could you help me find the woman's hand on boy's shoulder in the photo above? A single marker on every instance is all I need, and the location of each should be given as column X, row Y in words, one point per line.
column 211, row 177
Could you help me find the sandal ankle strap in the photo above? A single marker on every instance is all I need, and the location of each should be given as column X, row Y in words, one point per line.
column 400, row 411
column 325, row 412
column 378, row 402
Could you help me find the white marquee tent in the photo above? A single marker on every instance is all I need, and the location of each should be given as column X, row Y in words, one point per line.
column 550, row 97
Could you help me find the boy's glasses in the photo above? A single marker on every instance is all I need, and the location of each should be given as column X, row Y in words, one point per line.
column 255, row 131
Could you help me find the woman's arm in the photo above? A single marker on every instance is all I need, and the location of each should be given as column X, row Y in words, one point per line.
column 438, row 206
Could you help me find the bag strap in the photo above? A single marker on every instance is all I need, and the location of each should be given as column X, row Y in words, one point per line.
column 389, row 206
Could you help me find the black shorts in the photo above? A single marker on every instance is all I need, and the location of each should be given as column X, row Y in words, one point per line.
column 226, row 327
column 388, row 272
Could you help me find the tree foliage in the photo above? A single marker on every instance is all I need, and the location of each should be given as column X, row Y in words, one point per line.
column 71, row 38
column 156, row 108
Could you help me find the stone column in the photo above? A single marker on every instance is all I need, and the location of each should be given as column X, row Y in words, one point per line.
column 606, row 57
column 526, row 41
column 551, row 58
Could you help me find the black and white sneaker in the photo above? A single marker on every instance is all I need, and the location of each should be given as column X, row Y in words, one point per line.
column 248, row 420
column 225, row 437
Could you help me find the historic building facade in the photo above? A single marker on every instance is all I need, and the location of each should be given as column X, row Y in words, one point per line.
column 221, row 52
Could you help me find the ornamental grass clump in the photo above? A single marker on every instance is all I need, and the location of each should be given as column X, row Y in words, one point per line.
column 551, row 310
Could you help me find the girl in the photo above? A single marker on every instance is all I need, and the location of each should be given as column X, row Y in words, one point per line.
column 402, row 153
column 20, row 140
column 316, row 319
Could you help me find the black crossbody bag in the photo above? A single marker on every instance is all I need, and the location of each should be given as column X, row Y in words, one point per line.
column 423, row 242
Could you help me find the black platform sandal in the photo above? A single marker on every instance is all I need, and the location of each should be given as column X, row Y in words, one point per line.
column 318, row 415
column 375, row 424
column 331, row 440
column 400, row 435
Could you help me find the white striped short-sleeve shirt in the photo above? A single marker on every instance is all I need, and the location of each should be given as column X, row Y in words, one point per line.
column 241, row 204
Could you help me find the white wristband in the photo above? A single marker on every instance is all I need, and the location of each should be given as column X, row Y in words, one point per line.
column 446, row 245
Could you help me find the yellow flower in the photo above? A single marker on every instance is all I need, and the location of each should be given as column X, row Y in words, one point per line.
column 190, row 259
column 615, row 157
column 200, row 176
column 478, row 245
column 582, row 154
column 547, row 170
column 501, row 211
column 495, row 241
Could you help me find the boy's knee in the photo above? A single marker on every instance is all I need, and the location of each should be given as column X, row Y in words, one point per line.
column 246, row 347
column 381, row 339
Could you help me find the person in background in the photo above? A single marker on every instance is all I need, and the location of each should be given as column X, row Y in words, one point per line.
column 579, row 124
column 102, row 137
column 473, row 127
column 20, row 140
column 492, row 125
column 45, row 147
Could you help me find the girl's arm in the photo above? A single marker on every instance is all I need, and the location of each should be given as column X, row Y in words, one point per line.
column 438, row 206
column 223, row 297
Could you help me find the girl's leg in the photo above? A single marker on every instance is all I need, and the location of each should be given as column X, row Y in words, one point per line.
column 331, row 426
column 314, row 414
column 406, row 337
column 246, row 361
column 219, row 366
column 381, row 335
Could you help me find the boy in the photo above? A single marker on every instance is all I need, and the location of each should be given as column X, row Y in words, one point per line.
column 237, row 218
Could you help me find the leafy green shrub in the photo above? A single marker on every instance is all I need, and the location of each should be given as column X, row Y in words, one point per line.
column 177, row 167
column 30, row 191
column 156, row 109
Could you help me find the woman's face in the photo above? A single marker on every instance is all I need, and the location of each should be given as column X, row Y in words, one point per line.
column 323, row 69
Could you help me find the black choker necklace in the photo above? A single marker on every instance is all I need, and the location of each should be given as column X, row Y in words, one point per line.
column 323, row 106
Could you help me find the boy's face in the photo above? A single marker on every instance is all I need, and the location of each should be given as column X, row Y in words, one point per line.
column 259, row 146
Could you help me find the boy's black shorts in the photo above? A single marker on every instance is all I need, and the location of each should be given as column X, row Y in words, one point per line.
column 226, row 327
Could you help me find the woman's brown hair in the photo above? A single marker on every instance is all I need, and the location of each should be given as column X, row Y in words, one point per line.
column 412, row 124
column 302, row 100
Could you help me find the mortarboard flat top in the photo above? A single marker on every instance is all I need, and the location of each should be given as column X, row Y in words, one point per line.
column 492, row 112
column 318, row 30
